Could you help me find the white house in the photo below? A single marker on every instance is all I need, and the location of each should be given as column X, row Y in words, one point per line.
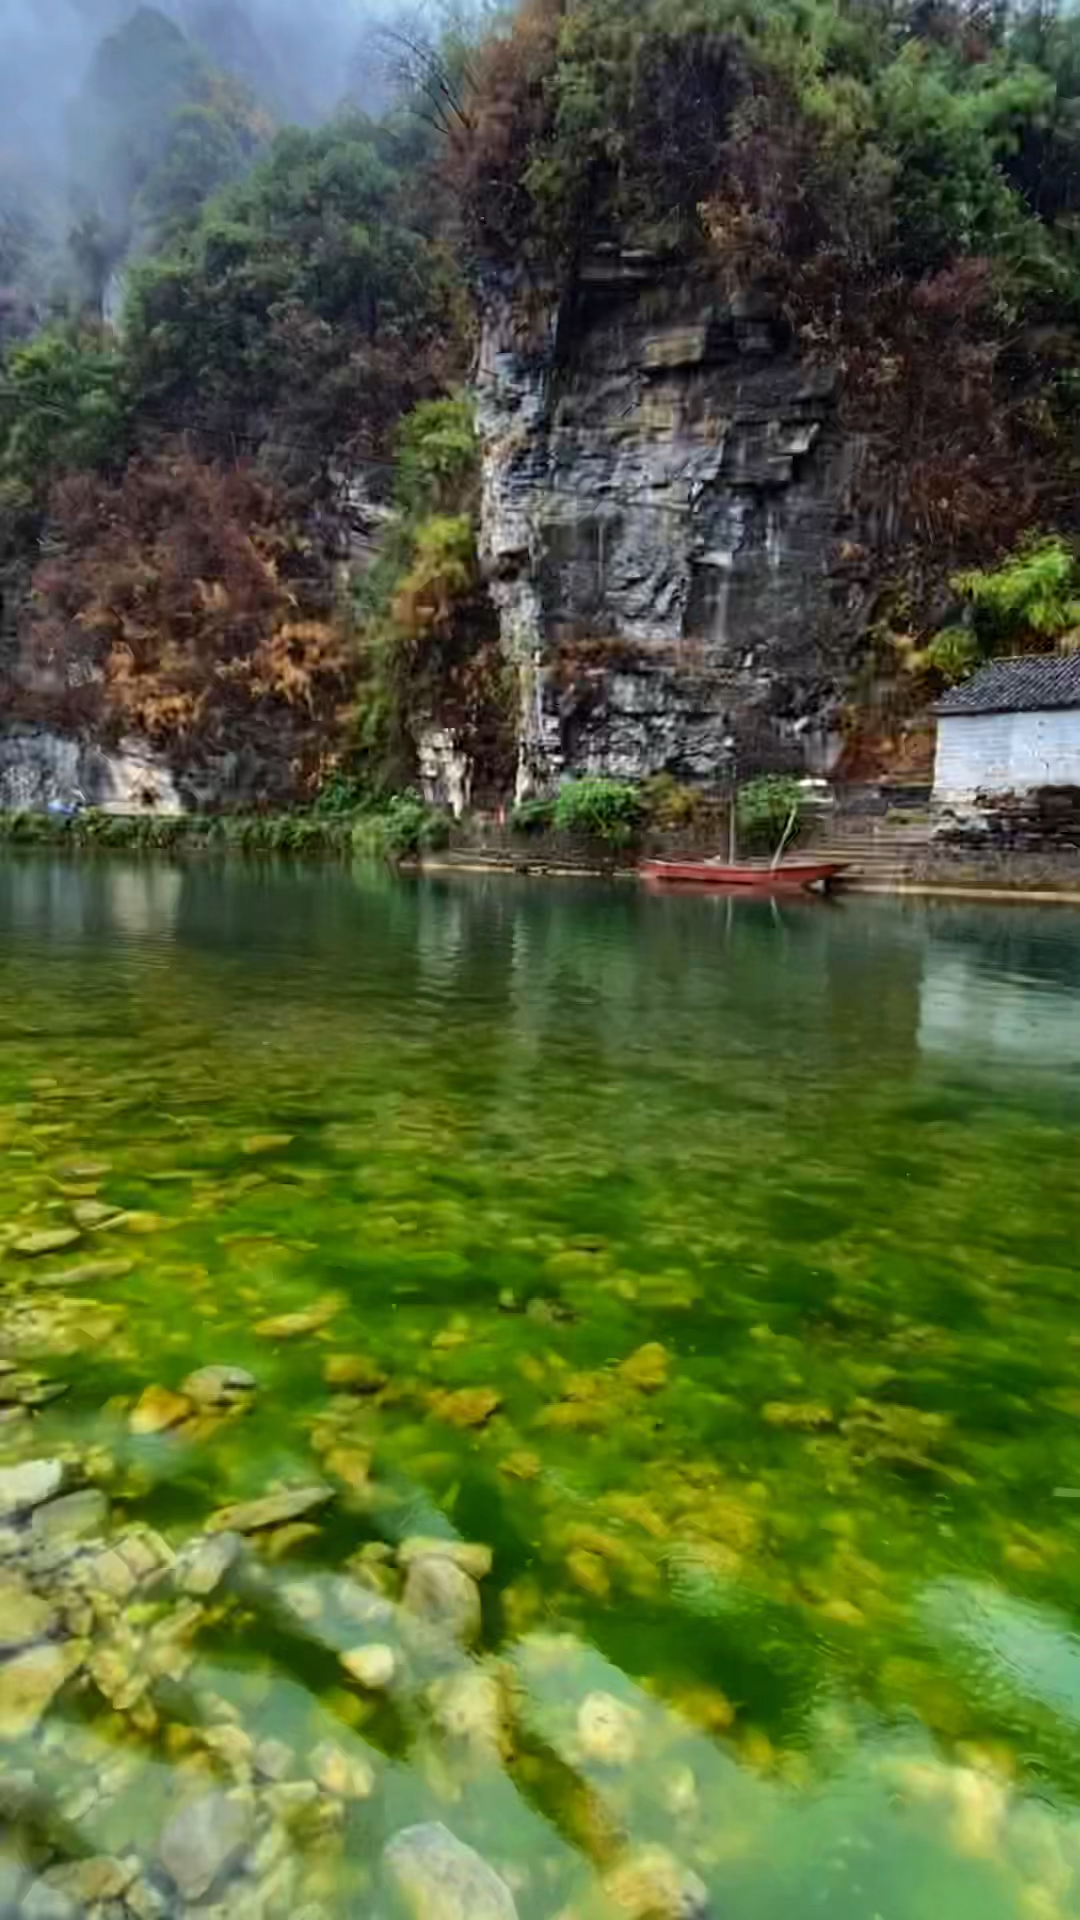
column 1013, row 726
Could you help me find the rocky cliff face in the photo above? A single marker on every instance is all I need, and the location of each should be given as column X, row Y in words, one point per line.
column 42, row 769
column 668, row 505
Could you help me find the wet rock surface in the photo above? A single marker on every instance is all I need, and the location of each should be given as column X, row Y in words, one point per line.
column 442, row 1879
column 204, row 1840
column 665, row 501
column 273, row 1510
column 443, row 1598
column 27, row 1486
column 219, row 1386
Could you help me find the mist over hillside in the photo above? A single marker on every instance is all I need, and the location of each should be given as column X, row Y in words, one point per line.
column 301, row 59
column 118, row 119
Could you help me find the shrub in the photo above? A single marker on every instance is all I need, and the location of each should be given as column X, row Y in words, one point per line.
column 601, row 809
column 670, row 805
column 953, row 653
column 533, row 816
column 341, row 793
column 93, row 829
column 763, row 808
column 1030, row 599
column 401, row 829
column 174, row 601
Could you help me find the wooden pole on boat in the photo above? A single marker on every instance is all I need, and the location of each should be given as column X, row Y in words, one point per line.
column 733, row 801
column 784, row 837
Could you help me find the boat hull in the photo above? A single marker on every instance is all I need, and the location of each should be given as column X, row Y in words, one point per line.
column 790, row 874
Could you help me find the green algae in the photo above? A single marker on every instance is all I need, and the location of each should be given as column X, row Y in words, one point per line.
column 707, row 1265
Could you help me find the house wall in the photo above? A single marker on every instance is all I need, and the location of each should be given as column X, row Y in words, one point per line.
column 1006, row 752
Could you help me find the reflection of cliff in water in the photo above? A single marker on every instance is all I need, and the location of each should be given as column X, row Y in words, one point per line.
column 1001, row 986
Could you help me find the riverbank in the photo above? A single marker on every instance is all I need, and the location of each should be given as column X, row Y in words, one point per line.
column 399, row 828
column 879, row 857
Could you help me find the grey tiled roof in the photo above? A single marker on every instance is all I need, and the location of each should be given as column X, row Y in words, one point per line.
column 1022, row 683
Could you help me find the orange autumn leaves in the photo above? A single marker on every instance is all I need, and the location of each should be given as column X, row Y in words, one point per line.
column 179, row 602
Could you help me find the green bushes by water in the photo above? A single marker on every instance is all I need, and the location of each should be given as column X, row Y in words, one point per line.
column 397, row 829
column 607, row 810
column 763, row 809
column 245, row 833
column 402, row 829
column 533, row 816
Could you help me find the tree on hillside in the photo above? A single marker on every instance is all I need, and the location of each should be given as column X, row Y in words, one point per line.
column 180, row 603
column 302, row 314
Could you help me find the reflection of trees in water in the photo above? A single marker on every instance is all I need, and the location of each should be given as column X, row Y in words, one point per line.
column 57, row 899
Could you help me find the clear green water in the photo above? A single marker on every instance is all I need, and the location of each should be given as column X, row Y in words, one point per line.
column 825, row 1156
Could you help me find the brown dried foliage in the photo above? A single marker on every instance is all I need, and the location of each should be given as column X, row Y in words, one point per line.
column 937, row 380
column 507, row 109
column 178, row 603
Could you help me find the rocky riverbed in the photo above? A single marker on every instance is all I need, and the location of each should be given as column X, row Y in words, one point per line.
column 101, row 1622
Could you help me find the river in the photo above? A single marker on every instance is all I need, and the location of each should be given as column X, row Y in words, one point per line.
column 652, row 1326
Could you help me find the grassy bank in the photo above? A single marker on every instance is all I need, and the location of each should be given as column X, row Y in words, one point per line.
column 186, row 832
column 400, row 829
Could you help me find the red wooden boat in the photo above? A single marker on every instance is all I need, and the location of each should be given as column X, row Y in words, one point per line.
column 760, row 878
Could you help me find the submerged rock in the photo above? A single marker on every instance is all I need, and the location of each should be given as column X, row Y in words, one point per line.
column 289, row 1326
column 273, row 1759
column 273, row 1510
column 374, row 1666
column 282, row 1541
column 348, row 1775
column 803, row 1416
column 87, row 1273
column 88, row 1881
column 46, row 1240
column 608, row 1730
column 266, row 1142
column 204, row 1840
column 355, row 1372
column 27, row 1486
column 24, row 1615
column 29, row 1682
column 522, row 1465
column 112, row 1574
column 27, row 1390
column 468, row 1406
column 472, row 1558
column 589, row 1571
column 43, row 1902
column 442, row 1879
column 471, row 1705
column 647, row 1369
column 650, row 1884
column 219, row 1386
column 363, row 1603
column 159, row 1408
column 75, row 1516
column 206, row 1563
column 351, row 1465
column 94, row 1213
column 444, row 1597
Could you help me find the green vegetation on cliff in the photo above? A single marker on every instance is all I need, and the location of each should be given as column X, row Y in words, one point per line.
column 176, row 499
column 249, row 514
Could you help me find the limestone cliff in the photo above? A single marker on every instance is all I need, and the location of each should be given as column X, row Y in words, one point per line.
column 666, row 495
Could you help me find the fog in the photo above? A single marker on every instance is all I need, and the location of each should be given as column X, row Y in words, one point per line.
column 61, row 161
column 303, row 57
